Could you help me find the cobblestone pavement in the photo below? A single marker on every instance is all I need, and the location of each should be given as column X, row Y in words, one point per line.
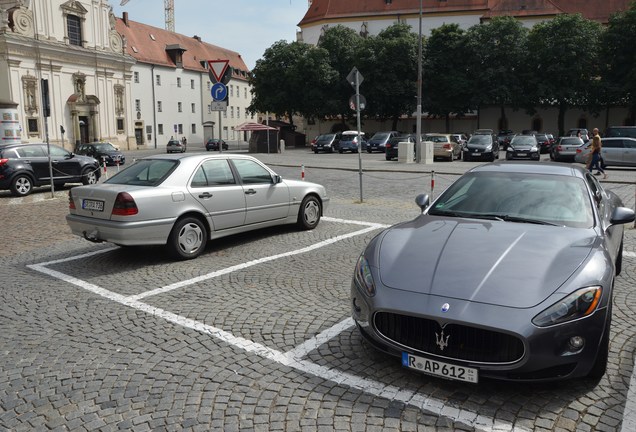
column 102, row 338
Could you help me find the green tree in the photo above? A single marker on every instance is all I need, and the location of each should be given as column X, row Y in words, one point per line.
column 496, row 55
column 388, row 63
column 562, row 67
column 291, row 79
column 446, row 82
column 342, row 44
column 618, row 66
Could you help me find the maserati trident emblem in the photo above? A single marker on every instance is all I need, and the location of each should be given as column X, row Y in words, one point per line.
column 440, row 341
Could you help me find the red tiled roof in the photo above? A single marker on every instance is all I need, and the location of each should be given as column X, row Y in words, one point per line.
column 331, row 9
column 597, row 10
column 148, row 44
column 326, row 10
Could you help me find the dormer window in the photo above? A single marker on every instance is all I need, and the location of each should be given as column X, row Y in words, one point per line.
column 175, row 52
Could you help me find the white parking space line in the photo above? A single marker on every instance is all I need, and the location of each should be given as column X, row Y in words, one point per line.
column 294, row 357
column 181, row 284
column 629, row 413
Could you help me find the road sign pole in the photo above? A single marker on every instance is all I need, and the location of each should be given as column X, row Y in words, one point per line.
column 220, row 134
column 359, row 131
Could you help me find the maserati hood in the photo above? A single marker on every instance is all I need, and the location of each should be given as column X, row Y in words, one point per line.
column 495, row 262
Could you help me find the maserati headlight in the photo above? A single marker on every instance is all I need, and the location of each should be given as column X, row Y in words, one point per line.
column 363, row 277
column 577, row 305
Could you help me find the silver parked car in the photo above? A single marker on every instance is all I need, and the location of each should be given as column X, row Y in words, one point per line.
column 508, row 274
column 565, row 148
column 182, row 201
column 617, row 151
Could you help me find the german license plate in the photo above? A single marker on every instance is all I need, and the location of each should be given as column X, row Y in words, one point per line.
column 440, row 369
column 522, row 154
column 93, row 205
column 476, row 154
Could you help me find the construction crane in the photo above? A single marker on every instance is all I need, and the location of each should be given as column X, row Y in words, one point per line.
column 168, row 6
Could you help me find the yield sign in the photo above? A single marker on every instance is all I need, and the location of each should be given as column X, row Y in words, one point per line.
column 218, row 68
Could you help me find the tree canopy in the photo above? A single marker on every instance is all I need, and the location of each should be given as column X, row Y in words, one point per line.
column 564, row 62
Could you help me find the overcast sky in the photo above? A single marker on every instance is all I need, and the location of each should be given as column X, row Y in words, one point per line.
column 248, row 27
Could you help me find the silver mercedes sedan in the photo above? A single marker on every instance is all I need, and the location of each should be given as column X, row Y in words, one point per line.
column 184, row 200
column 507, row 275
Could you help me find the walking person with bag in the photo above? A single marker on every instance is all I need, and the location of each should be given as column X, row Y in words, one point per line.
column 596, row 162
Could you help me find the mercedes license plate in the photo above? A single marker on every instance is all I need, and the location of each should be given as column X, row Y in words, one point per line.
column 522, row 154
column 476, row 154
column 93, row 205
column 440, row 369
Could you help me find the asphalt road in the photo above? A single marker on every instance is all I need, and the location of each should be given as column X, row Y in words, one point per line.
column 255, row 334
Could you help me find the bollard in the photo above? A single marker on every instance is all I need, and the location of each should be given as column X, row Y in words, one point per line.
column 302, row 172
column 105, row 169
column 432, row 185
column 117, row 165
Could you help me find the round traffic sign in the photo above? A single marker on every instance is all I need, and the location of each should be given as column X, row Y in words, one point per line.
column 352, row 102
column 219, row 91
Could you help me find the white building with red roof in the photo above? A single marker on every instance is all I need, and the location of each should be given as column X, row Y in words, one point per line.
column 171, row 86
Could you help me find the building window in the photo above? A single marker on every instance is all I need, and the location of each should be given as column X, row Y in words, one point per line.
column 179, row 107
column 160, row 129
column 209, row 109
column 194, row 128
column 137, row 105
column 193, row 106
column 158, row 80
column 238, row 112
column 232, row 112
column 120, row 125
column 231, row 91
column 245, row 94
column 192, row 84
column 178, row 82
column 208, row 85
column 180, row 129
column 136, row 76
column 33, row 126
column 74, row 30
column 224, row 113
column 159, row 106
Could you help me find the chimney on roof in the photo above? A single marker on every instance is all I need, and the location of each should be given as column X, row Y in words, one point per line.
column 125, row 18
column 197, row 38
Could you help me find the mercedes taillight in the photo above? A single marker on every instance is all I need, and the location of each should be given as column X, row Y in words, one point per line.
column 124, row 205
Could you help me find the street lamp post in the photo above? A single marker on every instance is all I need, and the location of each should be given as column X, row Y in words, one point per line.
column 418, row 113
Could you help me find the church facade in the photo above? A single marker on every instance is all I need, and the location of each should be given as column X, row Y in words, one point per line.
column 71, row 52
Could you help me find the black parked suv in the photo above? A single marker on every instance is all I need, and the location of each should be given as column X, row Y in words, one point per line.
column 104, row 152
column 24, row 166
column 481, row 146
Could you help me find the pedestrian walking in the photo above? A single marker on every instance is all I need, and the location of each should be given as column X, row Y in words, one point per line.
column 596, row 162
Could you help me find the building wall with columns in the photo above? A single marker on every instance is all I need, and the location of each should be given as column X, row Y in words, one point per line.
column 74, row 46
